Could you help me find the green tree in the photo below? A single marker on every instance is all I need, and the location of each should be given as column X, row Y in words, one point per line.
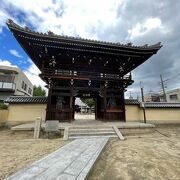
column 3, row 106
column 88, row 101
column 38, row 91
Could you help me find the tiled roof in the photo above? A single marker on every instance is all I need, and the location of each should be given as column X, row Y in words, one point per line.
column 38, row 99
column 50, row 34
column 161, row 105
column 43, row 100
column 131, row 102
column 26, row 99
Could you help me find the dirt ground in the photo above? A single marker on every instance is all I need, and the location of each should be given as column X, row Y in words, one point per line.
column 148, row 156
column 19, row 149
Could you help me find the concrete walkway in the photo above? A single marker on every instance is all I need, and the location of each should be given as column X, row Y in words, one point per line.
column 72, row 161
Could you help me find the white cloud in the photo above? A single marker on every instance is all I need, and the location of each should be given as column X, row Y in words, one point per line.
column 29, row 60
column 82, row 15
column 6, row 63
column 15, row 53
column 32, row 72
column 67, row 17
column 122, row 21
column 141, row 29
column 3, row 18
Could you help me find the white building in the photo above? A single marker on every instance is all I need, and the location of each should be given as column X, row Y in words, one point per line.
column 82, row 106
column 14, row 82
column 152, row 97
column 173, row 95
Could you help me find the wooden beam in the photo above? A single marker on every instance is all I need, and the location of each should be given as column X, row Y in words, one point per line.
column 61, row 94
column 76, row 88
column 66, row 77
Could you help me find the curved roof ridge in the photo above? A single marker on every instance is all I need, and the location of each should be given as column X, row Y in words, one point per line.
column 12, row 24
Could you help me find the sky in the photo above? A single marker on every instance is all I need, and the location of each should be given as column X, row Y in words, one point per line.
column 139, row 22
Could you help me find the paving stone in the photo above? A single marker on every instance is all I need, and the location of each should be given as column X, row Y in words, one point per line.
column 27, row 173
column 66, row 177
column 89, row 165
column 72, row 161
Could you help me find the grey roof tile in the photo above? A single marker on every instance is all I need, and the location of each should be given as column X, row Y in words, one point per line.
column 12, row 24
column 43, row 100
column 161, row 105
column 26, row 99
column 39, row 99
column 131, row 101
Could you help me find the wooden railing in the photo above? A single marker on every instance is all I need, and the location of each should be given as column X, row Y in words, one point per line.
column 72, row 73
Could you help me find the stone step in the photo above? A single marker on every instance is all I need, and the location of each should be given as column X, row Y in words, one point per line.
column 94, row 136
column 91, row 127
column 91, row 133
column 90, row 130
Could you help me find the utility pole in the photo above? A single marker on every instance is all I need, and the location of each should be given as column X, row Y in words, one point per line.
column 142, row 96
column 130, row 96
column 142, row 93
column 162, row 84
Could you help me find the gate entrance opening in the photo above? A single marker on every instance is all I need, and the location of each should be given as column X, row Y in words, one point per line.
column 85, row 109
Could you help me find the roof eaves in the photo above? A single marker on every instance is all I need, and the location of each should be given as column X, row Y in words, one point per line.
column 13, row 25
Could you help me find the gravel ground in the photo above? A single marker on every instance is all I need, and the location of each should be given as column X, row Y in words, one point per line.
column 18, row 149
column 149, row 156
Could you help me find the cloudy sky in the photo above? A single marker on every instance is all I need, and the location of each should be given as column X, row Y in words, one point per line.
column 140, row 22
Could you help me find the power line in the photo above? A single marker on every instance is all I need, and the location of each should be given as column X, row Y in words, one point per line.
column 172, row 77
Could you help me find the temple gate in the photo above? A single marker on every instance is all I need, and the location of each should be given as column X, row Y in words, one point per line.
column 75, row 67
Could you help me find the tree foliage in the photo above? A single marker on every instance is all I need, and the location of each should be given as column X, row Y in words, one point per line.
column 38, row 91
column 88, row 101
column 3, row 106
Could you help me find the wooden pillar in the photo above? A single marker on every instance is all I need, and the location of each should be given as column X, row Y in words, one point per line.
column 96, row 116
column 98, row 108
column 105, row 102
column 73, row 107
column 71, row 103
column 48, row 110
column 123, row 106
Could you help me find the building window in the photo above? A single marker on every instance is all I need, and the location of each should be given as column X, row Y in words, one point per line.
column 24, row 85
column 173, row 97
column 29, row 90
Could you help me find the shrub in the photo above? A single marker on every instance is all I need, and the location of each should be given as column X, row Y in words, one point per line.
column 3, row 106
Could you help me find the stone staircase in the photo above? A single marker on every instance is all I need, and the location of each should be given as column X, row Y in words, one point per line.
column 91, row 132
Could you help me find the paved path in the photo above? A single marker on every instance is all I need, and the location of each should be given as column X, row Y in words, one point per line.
column 72, row 161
